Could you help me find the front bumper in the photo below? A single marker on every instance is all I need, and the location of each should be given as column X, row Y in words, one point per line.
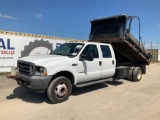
column 34, row 82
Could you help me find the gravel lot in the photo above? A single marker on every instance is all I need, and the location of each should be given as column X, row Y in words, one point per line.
column 121, row 100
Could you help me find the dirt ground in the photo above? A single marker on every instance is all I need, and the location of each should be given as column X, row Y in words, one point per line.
column 121, row 100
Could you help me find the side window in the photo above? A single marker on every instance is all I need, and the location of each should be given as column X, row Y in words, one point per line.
column 106, row 52
column 91, row 48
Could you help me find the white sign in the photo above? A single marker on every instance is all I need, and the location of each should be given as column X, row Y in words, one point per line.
column 14, row 47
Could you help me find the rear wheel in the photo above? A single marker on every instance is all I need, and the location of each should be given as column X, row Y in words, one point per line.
column 130, row 75
column 137, row 74
column 59, row 89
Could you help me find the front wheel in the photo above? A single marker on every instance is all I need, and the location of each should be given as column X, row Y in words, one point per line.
column 59, row 89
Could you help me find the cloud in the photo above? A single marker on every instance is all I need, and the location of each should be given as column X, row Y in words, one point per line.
column 7, row 16
column 147, row 45
column 154, row 45
column 39, row 16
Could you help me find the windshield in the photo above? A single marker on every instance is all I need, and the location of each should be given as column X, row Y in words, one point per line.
column 68, row 49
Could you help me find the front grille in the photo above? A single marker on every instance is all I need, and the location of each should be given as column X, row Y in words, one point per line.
column 25, row 68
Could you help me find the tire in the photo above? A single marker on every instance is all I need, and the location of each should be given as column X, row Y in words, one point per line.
column 137, row 74
column 59, row 90
column 130, row 75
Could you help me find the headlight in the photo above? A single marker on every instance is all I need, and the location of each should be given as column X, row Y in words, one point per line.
column 40, row 71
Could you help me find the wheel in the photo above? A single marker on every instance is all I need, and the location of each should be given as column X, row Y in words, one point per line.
column 59, row 90
column 137, row 74
column 130, row 75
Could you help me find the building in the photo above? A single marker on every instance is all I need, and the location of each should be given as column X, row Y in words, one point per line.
column 14, row 45
column 155, row 54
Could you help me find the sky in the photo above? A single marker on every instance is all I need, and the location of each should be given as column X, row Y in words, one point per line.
column 71, row 18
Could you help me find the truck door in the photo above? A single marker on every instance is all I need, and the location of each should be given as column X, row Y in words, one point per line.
column 89, row 70
column 108, row 62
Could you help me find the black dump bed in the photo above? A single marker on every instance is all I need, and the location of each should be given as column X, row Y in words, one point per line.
column 113, row 30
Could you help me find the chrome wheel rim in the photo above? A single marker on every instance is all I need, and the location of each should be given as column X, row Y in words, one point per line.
column 139, row 74
column 61, row 90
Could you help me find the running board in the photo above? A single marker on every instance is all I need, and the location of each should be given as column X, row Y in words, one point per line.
column 94, row 82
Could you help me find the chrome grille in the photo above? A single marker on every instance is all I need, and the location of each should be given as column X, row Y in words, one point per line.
column 25, row 68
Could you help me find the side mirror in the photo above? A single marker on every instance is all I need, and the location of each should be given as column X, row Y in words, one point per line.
column 88, row 56
column 51, row 52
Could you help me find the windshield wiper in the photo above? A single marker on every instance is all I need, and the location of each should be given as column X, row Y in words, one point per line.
column 60, row 54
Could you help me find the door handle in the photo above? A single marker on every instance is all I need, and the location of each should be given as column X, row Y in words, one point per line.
column 100, row 63
column 113, row 62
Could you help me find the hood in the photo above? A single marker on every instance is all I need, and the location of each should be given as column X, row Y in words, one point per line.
column 41, row 60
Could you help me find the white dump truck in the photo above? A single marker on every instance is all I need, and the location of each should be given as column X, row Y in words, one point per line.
column 111, row 53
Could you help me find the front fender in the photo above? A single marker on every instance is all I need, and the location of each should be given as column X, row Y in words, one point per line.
column 57, row 69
